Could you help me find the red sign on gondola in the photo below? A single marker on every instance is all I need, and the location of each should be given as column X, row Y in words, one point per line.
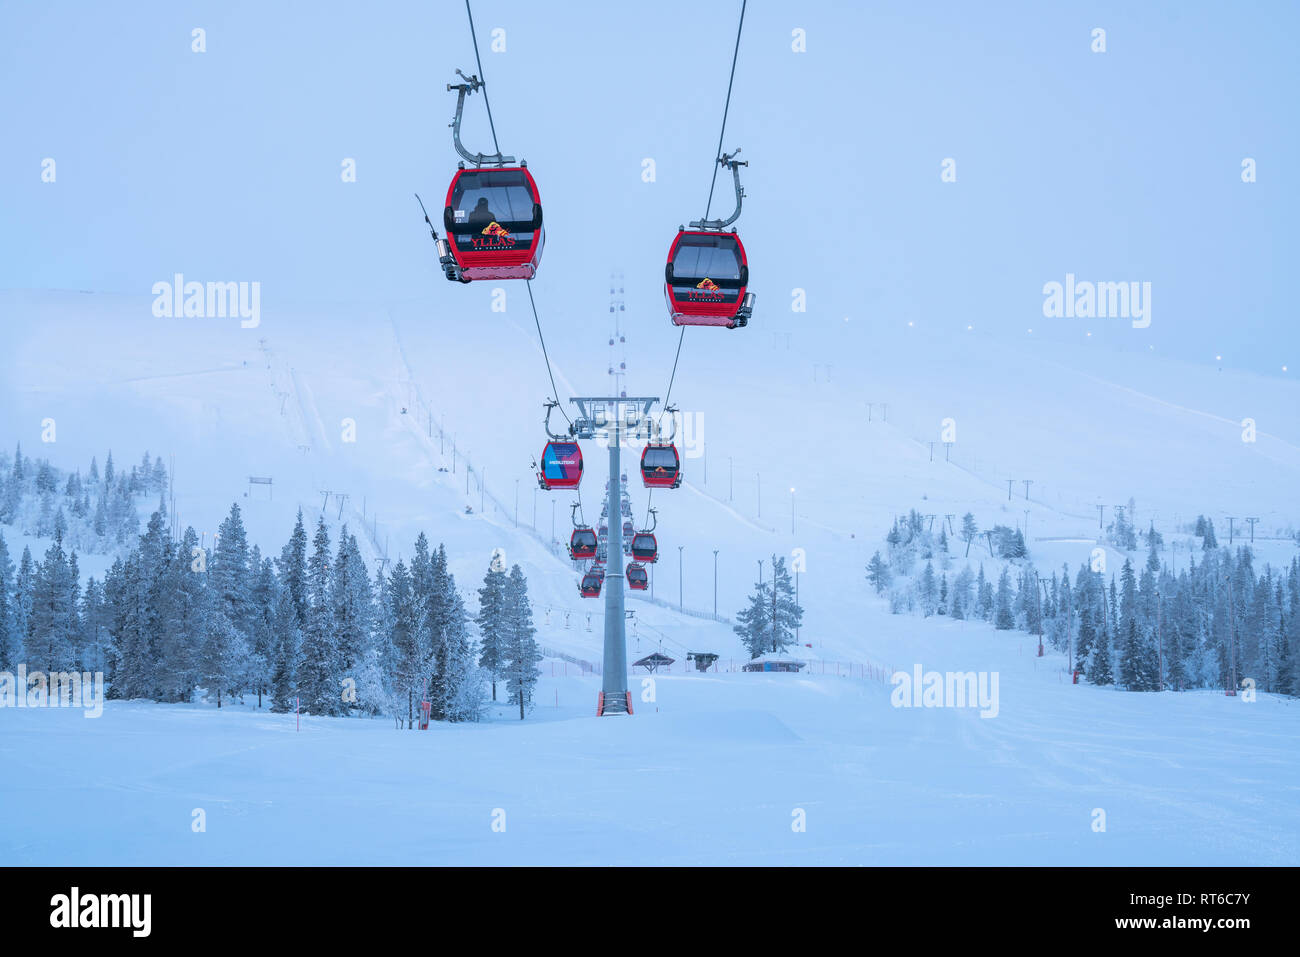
column 494, row 236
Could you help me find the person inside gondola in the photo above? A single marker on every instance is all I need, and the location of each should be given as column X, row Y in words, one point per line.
column 480, row 215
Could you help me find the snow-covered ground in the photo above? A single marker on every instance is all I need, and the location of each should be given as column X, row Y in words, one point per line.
column 715, row 771
column 715, row 768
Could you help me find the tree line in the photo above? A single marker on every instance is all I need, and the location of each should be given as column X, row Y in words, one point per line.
column 309, row 629
column 95, row 513
column 1218, row 623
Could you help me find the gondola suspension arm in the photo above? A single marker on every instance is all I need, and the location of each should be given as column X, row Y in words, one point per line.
column 551, row 405
column 730, row 162
column 471, row 84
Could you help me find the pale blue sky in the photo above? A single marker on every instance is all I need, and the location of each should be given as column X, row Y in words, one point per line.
column 1116, row 166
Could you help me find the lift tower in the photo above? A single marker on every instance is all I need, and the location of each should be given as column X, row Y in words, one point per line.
column 614, row 420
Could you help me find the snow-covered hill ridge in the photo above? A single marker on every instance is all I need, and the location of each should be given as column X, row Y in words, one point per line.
column 279, row 401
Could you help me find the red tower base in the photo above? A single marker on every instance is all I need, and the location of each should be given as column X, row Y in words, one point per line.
column 614, row 704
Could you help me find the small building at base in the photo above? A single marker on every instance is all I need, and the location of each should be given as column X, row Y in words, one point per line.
column 774, row 662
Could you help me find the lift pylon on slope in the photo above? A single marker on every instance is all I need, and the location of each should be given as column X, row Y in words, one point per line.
column 613, row 420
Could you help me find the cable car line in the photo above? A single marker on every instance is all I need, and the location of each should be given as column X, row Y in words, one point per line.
column 487, row 102
column 542, row 339
column 721, row 133
column 719, row 161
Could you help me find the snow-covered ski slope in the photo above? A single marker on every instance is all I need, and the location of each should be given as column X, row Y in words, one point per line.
column 278, row 401
column 1193, row 778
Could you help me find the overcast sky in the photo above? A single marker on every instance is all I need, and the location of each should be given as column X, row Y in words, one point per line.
column 1117, row 166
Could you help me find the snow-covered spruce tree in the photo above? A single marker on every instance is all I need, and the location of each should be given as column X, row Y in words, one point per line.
column 114, row 620
column 1100, row 670
column 223, row 654
column 969, row 531
column 491, row 623
column 521, row 654
column 1087, row 637
column 1003, row 618
column 927, row 591
column 351, row 600
column 133, row 672
column 878, row 574
column 265, row 593
column 185, row 625
column 466, row 681
column 227, row 644
column 787, row 614
column 53, row 613
column 1135, row 672
column 984, row 596
column 288, row 640
column 292, row 567
column 754, row 622
column 94, row 628
column 421, row 574
column 315, row 669
column 8, row 648
column 409, row 664
column 435, row 625
column 770, row 620
column 960, row 602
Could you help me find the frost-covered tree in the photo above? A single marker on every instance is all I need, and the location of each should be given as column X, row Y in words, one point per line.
column 8, row 647
column 288, row 638
column 927, row 591
column 521, row 654
column 769, row 622
column 491, row 623
column 185, row 626
column 351, row 601
column 264, row 597
column 1100, row 670
column 315, row 668
column 292, row 568
column 1003, row 617
column 409, row 661
column 878, row 574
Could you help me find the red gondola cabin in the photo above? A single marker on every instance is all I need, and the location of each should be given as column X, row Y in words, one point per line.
column 582, row 544
column 591, row 582
column 645, row 548
column 637, row 578
column 561, row 465
column 706, row 279
column 493, row 219
column 661, row 467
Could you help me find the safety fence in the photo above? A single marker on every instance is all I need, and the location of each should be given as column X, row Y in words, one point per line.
column 560, row 665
